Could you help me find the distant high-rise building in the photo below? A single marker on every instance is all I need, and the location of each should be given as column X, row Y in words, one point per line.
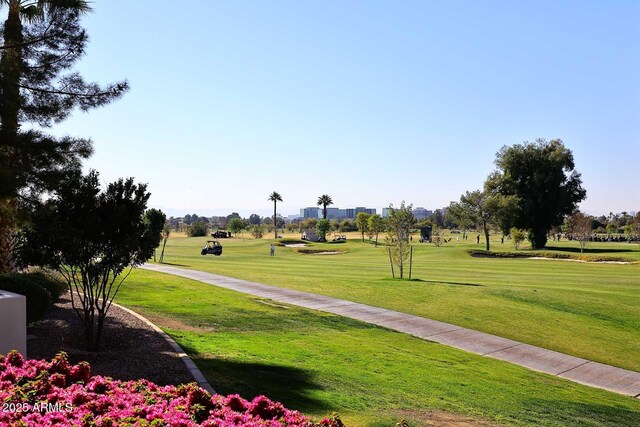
column 310, row 213
column 385, row 212
column 335, row 213
column 421, row 213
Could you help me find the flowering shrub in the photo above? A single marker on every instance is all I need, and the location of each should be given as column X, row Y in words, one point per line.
column 55, row 393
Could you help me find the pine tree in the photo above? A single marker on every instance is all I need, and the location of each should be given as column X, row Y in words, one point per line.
column 40, row 42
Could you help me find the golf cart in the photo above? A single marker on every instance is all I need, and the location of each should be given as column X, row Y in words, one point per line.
column 212, row 247
column 221, row 234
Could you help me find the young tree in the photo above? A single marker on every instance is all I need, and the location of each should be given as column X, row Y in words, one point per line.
column 436, row 236
column 93, row 238
column 323, row 227
column 460, row 217
column 485, row 208
column 517, row 236
column 275, row 197
column 376, row 225
column 399, row 223
column 257, row 231
column 40, row 41
column 362, row 222
column 236, row 225
column 543, row 177
column 324, row 201
column 578, row 225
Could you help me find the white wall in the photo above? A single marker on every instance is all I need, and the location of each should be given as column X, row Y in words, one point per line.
column 13, row 323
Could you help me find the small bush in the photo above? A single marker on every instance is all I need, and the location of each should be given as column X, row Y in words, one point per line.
column 290, row 241
column 38, row 298
column 198, row 229
column 546, row 254
column 50, row 282
column 308, row 251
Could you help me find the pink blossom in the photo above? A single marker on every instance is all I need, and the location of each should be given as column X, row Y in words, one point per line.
column 55, row 393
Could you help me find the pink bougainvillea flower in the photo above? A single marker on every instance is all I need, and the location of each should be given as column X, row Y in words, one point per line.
column 56, row 393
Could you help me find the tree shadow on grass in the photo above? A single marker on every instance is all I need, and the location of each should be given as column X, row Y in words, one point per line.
column 612, row 415
column 441, row 282
column 438, row 282
column 588, row 250
column 289, row 385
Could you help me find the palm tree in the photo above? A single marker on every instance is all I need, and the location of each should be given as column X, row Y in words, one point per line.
column 275, row 197
column 11, row 71
column 324, row 201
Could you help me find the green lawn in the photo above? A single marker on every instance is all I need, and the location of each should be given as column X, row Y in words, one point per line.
column 588, row 310
column 319, row 363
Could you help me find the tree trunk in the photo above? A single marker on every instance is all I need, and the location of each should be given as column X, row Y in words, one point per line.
column 275, row 222
column 486, row 233
column 538, row 239
column 162, row 253
column 10, row 71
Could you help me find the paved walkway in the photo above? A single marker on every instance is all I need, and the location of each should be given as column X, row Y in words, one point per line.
column 551, row 362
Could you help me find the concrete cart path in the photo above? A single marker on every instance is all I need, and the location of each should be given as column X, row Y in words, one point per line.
column 551, row 362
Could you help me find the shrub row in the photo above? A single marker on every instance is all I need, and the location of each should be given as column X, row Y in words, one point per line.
column 545, row 254
column 291, row 240
column 41, row 290
column 43, row 393
column 308, row 251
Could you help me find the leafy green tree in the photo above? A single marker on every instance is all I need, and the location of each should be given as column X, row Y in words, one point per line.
column 635, row 225
column 399, row 225
column 236, row 225
column 323, row 226
column 485, row 208
column 40, row 41
column 198, row 229
column 346, row 226
column 93, row 239
column 324, row 201
column 517, row 237
column 611, row 229
column 275, row 197
column 376, row 225
column 309, row 224
column 257, row 231
column 362, row 222
column 255, row 219
column 460, row 217
column 543, row 177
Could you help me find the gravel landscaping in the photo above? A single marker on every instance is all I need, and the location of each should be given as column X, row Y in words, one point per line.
column 131, row 349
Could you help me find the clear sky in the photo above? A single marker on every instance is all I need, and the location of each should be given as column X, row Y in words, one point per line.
column 371, row 102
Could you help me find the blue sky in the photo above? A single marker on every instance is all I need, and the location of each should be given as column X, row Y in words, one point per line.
column 371, row 102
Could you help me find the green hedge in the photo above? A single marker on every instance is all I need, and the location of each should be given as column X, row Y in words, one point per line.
column 39, row 299
column 545, row 254
column 307, row 251
column 291, row 240
column 49, row 281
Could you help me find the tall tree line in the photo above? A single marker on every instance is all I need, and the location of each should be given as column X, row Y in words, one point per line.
column 40, row 43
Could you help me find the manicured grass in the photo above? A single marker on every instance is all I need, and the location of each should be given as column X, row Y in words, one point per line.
column 588, row 310
column 318, row 363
